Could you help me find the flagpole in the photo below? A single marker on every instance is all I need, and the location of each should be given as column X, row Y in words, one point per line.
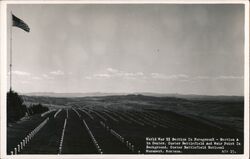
column 22, row 25
column 11, row 53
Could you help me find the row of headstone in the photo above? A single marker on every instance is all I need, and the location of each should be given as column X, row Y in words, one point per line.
column 28, row 138
column 87, row 113
column 47, row 112
column 152, row 121
column 119, row 137
column 62, row 137
column 106, row 127
column 93, row 138
column 116, row 114
column 57, row 113
column 77, row 113
column 99, row 115
column 110, row 116
column 128, row 144
column 123, row 117
column 67, row 114
column 102, row 123
column 135, row 119
column 167, row 122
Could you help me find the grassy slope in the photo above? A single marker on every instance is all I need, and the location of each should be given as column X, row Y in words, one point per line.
column 224, row 112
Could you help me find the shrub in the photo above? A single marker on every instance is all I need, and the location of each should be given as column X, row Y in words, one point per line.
column 37, row 108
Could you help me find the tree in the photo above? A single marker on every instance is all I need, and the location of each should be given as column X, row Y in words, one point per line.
column 38, row 108
column 15, row 107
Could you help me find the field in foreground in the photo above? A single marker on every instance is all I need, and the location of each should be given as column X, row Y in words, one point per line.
column 120, row 124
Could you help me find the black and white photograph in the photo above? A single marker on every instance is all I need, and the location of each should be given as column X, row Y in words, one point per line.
column 138, row 79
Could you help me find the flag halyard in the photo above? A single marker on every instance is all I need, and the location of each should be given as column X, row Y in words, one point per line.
column 19, row 23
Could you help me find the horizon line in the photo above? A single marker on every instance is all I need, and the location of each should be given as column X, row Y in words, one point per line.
column 127, row 93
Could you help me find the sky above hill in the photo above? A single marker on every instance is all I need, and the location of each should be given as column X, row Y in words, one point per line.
column 164, row 48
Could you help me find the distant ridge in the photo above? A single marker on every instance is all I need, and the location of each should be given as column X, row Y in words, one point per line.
column 100, row 94
column 70, row 95
column 198, row 97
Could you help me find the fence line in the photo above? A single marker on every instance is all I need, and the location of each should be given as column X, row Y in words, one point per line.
column 28, row 138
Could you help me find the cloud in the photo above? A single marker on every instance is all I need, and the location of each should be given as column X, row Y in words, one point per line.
column 58, row 72
column 45, row 76
column 139, row 73
column 115, row 73
column 218, row 77
column 37, row 78
column 28, row 76
column 202, row 77
column 88, row 77
column 102, row 76
column 119, row 73
column 164, row 76
column 41, row 77
column 111, row 70
column 131, row 75
column 128, row 75
column 21, row 73
column 230, row 77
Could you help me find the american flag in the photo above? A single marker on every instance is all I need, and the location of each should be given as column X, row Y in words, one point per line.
column 19, row 23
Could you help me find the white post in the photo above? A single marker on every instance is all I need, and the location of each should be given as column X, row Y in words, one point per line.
column 21, row 145
column 26, row 140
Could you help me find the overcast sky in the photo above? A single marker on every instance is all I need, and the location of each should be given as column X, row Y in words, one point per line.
column 167, row 48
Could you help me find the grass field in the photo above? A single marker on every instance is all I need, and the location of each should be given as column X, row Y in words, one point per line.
column 120, row 124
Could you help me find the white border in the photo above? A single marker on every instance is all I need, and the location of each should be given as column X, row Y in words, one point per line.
column 3, row 79
column 3, row 73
